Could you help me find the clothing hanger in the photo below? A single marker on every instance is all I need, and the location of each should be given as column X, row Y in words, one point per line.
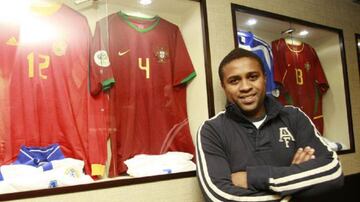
column 45, row 3
column 139, row 14
column 289, row 38
column 45, row 7
column 77, row 2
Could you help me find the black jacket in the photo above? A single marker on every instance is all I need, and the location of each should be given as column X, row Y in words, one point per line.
column 229, row 143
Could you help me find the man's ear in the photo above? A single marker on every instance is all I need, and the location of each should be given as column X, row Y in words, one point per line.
column 222, row 84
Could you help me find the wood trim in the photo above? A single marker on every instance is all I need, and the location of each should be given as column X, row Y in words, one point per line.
column 208, row 69
column 357, row 40
column 347, row 96
column 94, row 186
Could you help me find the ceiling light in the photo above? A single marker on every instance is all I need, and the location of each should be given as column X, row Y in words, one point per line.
column 288, row 31
column 359, row 44
column 145, row 2
column 303, row 33
column 251, row 21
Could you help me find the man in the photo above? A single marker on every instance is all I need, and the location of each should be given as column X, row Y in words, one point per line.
column 257, row 149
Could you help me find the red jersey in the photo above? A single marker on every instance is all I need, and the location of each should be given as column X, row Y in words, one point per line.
column 149, row 63
column 44, row 67
column 298, row 71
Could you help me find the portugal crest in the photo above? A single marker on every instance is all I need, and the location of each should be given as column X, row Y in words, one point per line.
column 59, row 47
column 162, row 55
column 307, row 66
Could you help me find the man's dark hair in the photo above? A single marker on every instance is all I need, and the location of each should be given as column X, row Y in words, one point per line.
column 238, row 53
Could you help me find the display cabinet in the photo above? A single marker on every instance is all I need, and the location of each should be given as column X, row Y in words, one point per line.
column 89, row 25
column 323, row 95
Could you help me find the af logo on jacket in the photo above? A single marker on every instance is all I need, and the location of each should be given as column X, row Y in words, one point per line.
column 285, row 136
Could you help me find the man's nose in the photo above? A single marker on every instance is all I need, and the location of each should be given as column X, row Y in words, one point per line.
column 245, row 85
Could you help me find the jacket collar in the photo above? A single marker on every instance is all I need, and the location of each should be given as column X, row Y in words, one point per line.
column 272, row 107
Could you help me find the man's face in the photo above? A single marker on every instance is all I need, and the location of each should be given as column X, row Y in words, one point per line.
column 244, row 84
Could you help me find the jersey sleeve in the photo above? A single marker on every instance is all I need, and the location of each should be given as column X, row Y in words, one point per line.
column 98, row 133
column 101, row 75
column 320, row 77
column 269, row 58
column 214, row 173
column 279, row 62
column 100, row 79
column 6, row 60
column 183, row 68
column 280, row 71
column 317, row 175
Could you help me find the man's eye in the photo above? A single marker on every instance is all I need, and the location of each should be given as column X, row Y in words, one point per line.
column 253, row 77
column 233, row 81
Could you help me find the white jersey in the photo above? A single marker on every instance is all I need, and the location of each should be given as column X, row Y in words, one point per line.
column 171, row 162
column 64, row 172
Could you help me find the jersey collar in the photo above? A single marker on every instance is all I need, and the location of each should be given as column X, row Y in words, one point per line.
column 134, row 22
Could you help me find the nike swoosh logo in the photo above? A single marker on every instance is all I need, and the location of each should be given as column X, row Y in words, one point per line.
column 123, row 53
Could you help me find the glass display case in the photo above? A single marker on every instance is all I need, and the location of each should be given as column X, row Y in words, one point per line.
column 308, row 68
column 88, row 85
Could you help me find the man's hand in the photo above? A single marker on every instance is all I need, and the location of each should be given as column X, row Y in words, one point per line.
column 303, row 155
column 239, row 179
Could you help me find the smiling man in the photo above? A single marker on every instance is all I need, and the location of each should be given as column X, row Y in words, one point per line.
column 244, row 81
column 257, row 149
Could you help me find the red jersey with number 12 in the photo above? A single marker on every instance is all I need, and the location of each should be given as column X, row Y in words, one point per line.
column 298, row 70
column 44, row 84
column 149, row 63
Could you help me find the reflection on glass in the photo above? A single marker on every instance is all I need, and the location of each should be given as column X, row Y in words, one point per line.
column 98, row 89
column 304, row 62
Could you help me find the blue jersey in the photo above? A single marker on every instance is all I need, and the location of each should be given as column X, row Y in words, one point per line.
column 39, row 156
column 249, row 41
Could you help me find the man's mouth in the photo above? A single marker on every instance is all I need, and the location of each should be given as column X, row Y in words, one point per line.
column 248, row 99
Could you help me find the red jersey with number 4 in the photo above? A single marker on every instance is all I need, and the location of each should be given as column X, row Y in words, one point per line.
column 44, row 84
column 149, row 63
column 298, row 71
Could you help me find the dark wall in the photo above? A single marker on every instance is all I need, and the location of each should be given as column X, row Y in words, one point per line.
column 349, row 192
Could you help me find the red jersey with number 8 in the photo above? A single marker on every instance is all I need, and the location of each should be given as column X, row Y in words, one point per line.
column 298, row 70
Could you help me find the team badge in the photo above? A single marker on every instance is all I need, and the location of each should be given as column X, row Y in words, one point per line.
column 71, row 172
column 101, row 58
column 307, row 66
column 285, row 136
column 53, row 184
column 59, row 47
column 162, row 55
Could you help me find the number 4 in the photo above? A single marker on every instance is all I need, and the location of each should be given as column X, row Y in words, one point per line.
column 146, row 67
